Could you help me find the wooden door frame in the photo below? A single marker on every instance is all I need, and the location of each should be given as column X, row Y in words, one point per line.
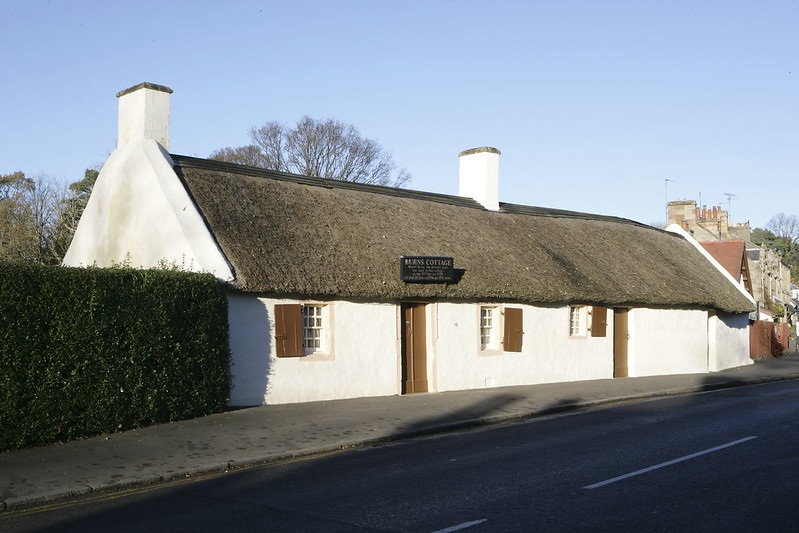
column 621, row 337
column 413, row 354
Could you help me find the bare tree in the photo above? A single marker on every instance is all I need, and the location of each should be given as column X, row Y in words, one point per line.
column 271, row 142
column 17, row 226
column 320, row 148
column 38, row 216
column 781, row 235
column 28, row 211
column 784, row 226
column 71, row 204
column 249, row 155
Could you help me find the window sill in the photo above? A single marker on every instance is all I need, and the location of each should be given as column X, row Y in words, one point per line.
column 318, row 356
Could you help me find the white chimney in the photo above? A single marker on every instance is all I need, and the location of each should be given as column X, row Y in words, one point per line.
column 479, row 176
column 144, row 114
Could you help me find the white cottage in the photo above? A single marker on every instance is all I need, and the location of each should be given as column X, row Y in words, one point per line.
column 340, row 290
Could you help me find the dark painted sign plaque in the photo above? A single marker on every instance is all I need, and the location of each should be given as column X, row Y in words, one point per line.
column 427, row 269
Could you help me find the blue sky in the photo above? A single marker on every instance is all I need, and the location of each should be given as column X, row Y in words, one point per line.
column 594, row 104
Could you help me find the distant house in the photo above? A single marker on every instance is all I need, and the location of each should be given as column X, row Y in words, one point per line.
column 769, row 277
column 732, row 256
column 340, row 290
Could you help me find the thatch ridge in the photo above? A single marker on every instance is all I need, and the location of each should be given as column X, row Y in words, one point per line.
column 287, row 234
column 224, row 166
column 562, row 213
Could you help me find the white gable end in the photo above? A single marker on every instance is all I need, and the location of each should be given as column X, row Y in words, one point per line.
column 140, row 214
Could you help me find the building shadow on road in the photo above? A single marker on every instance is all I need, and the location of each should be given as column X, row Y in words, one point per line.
column 489, row 410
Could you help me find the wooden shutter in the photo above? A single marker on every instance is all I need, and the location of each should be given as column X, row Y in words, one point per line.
column 599, row 321
column 512, row 336
column 288, row 330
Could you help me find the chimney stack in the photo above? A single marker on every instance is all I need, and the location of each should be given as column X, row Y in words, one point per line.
column 479, row 176
column 144, row 114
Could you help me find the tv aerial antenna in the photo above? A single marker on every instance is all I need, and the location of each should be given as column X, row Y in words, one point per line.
column 666, row 186
column 729, row 196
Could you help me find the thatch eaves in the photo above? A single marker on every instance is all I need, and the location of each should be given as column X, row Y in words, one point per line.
column 292, row 235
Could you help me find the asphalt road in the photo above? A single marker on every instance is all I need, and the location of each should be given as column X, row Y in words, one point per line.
column 717, row 461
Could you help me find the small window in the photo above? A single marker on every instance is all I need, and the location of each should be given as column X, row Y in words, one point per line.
column 301, row 330
column 500, row 328
column 577, row 321
column 313, row 331
column 489, row 328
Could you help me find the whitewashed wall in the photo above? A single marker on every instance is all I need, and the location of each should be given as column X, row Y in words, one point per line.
column 728, row 337
column 665, row 341
column 548, row 353
column 363, row 360
column 140, row 214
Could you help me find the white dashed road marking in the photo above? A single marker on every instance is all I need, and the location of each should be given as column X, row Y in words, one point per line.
column 461, row 526
column 667, row 463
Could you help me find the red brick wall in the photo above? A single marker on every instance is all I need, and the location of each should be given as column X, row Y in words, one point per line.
column 767, row 338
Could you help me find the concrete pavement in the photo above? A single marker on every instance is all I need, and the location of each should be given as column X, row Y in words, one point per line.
column 256, row 435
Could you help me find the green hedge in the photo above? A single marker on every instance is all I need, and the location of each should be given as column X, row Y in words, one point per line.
column 91, row 351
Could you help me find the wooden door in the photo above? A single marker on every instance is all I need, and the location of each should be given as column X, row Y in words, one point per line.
column 414, row 348
column 621, row 336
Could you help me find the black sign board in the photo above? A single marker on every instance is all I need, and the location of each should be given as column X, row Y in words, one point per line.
column 426, row 269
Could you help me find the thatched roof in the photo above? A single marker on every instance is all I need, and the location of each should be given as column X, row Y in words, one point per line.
column 291, row 235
